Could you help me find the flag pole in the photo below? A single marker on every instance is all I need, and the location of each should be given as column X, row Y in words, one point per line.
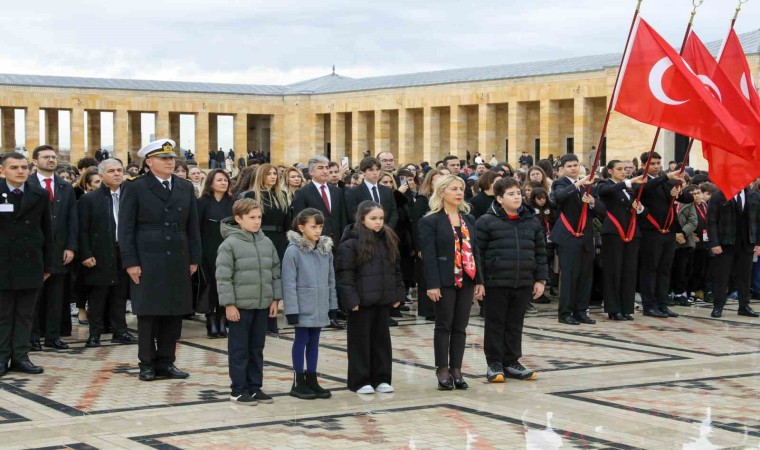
column 697, row 4
column 691, row 140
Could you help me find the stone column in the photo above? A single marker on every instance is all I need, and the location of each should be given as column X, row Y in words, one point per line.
column 320, row 134
column 120, row 134
column 549, row 128
column 162, row 125
column 51, row 127
column 358, row 136
column 77, row 135
column 458, row 139
column 202, row 139
column 516, row 131
column 405, row 127
column 582, row 135
column 174, row 131
column 32, row 127
column 486, row 131
column 277, row 139
column 382, row 131
column 93, row 132
column 8, row 129
column 134, row 134
column 431, row 142
column 240, row 135
column 338, row 135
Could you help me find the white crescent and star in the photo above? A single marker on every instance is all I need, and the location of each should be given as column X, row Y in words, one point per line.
column 745, row 86
column 655, row 82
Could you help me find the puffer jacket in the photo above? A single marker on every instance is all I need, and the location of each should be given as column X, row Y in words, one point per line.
column 308, row 280
column 512, row 251
column 376, row 282
column 247, row 268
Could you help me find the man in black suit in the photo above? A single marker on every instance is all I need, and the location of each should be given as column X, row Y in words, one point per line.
column 320, row 195
column 26, row 259
column 574, row 236
column 371, row 190
column 328, row 199
column 732, row 232
column 51, row 301
column 159, row 239
column 658, row 236
column 99, row 252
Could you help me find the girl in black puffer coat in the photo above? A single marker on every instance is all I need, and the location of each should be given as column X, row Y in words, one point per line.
column 369, row 283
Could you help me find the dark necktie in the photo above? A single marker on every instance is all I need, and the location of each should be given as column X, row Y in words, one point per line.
column 374, row 194
column 166, row 185
column 324, row 199
column 17, row 192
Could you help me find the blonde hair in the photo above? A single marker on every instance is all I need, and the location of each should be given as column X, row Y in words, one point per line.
column 276, row 196
column 384, row 174
column 285, row 187
column 436, row 199
column 426, row 188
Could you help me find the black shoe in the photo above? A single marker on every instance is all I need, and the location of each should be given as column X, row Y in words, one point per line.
column 444, row 383
column 341, row 315
column 582, row 317
column 668, row 312
column 172, row 372
column 568, row 320
column 261, row 397
column 3, row 367
column 222, row 326
column 708, row 297
column 311, row 381
column 35, row 346
column 396, row 313
column 616, row 316
column 93, row 341
column 628, row 316
column 56, row 344
column 682, row 300
column 654, row 312
column 336, row 325
column 747, row 311
column 404, row 308
column 554, row 292
column 542, row 299
column 716, row 312
column 147, row 373
column 392, row 322
column 25, row 366
column 124, row 338
column 459, row 383
column 430, row 318
column 212, row 327
column 300, row 389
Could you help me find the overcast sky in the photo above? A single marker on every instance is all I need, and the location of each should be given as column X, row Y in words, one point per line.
column 285, row 41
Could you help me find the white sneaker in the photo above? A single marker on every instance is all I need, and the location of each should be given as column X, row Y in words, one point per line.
column 129, row 306
column 384, row 388
column 366, row 390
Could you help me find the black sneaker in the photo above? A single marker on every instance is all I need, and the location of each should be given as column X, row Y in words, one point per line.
column 519, row 372
column 495, row 373
column 243, row 399
column 261, row 397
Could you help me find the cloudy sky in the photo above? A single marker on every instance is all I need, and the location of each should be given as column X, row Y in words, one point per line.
column 285, row 41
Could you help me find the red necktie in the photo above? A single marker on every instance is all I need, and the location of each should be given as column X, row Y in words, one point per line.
column 324, row 199
column 49, row 188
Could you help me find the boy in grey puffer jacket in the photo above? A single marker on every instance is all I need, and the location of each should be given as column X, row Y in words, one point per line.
column 248, row 281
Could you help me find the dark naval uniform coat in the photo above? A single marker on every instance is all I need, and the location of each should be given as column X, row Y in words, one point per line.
column 158, row 231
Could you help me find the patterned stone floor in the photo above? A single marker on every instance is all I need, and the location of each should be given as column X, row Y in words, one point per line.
column 691, row 383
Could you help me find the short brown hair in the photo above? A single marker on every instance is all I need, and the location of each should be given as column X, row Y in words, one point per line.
column 244, row 206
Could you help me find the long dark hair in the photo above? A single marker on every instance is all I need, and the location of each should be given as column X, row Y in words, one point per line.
column 367, row 237
column 208, row 192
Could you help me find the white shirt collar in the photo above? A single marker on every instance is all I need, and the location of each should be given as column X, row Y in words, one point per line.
column 319, row 185
column 160, row 180
column 43, row 178
column 369, row 185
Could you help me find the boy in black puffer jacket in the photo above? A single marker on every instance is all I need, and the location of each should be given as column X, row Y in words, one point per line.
column 513, row 250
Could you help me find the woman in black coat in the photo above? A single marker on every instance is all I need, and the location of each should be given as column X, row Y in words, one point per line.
column 275, row 222
column 214, row 204
column 452, row 274
column 484, row 198
column 404, row 201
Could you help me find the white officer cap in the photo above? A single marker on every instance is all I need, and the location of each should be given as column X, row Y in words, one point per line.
column 161, row 148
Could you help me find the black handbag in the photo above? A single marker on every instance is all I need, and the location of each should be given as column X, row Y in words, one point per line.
column 201, row 293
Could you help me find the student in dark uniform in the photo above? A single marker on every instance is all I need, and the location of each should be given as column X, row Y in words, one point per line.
column 372, row 191
column 102, row 271
column 733, row 239
column 26, row 259
column 658, row 236
column 574, row 236
column 161, row 248
column 620, row 240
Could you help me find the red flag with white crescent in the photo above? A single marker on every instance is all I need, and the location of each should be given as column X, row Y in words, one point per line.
column 657, row 87
column 733, row 61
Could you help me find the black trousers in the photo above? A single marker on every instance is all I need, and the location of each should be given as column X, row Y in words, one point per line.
column 111, row 300
column 681, row 271
column 655, row 263
column 505, row 314
column 619, row 277
column 425, row 306
column 452, row 315
column 16, row 310
column 576, row 276
column 369, row 347
column 698, row 276
column 245, row 347
column 735, row 261
column 49, row 307
column 157, row 338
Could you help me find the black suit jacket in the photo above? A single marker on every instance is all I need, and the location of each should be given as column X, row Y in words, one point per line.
column 26, row 238
column 360, row 193
column 97, row 238
column 722, row 218
column 656, row 198
column 568, row 199
column 65, row 220
column 335, row 221
column 438, row 249
column 619, row 205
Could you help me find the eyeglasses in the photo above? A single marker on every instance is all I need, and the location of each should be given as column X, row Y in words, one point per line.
column 386, row 160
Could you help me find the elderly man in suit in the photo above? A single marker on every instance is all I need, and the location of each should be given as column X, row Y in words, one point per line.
column 159, row 239
column 50, row 302
column 371, row 190
column 26, row 259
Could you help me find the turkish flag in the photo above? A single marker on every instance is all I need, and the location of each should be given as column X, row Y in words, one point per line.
column 733, row 61
column 657, row 87
column 729, row 172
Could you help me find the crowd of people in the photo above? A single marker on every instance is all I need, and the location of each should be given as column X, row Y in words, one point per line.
column 326, row 245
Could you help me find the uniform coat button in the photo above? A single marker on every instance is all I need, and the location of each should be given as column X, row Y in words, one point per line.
column 168, row 253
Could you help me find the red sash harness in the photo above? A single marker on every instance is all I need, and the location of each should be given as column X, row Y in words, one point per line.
column 626, row 237
column 581, row 225
column 665, row 228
